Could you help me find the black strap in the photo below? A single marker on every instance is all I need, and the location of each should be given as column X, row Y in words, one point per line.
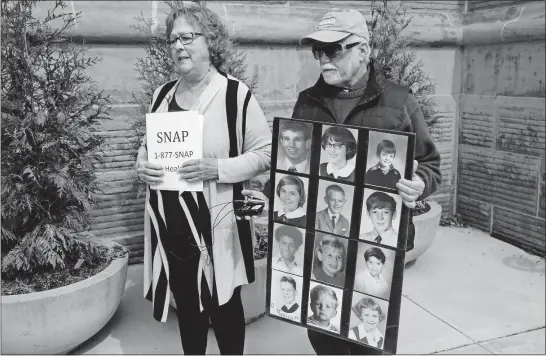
column 243, row 226
column 231, row 112
column 162, row 93
column 245, row 107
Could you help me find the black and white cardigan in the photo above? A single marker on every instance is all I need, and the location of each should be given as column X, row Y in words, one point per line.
column 236, row 132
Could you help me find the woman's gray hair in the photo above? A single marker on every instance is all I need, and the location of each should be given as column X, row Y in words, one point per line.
column 216, row 35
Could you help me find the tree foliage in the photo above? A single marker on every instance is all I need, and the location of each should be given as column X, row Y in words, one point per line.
column 399, row 62
column 50, row 113
column 156, row 67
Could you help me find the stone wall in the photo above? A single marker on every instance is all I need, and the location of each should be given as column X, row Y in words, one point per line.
column 269, row 32
column 500, row 185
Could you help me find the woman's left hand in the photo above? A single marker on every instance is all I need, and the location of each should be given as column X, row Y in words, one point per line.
column 247, row 193
column 411, row 190
column 201, row 169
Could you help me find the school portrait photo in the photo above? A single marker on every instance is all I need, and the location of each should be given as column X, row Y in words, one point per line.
column 338, row 154
column 288, row 251
column 329, row 259
column 325, row 305
column 386, row 162
column 294, row 149
column 290, row 199
column 286, row 293
column 334, row 207
column 374, row 269
column 380, row 221
column 368, row 320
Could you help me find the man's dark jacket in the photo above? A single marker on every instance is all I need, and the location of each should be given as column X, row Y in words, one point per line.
column 384, row 105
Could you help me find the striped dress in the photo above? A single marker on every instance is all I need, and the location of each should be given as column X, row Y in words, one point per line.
column 236, row 132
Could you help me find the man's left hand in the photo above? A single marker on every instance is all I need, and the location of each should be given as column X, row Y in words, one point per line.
column 201, row 169
column 411, row 190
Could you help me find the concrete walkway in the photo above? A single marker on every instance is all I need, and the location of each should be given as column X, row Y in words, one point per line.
column 468, row 294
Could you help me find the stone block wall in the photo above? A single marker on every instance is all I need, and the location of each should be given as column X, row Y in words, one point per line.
column 269, row 33
column 448, row 35
column 500, row 183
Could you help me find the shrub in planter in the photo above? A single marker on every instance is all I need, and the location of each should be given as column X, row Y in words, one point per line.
column 50, row 113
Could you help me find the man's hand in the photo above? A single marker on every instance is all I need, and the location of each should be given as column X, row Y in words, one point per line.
column 202, row 169
column 411, row 190
column 256, row 194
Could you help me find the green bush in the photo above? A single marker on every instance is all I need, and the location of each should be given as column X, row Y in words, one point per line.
column 50, row 113
column 398, row 61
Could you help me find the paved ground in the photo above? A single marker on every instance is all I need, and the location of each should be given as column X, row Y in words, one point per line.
column 468, row 294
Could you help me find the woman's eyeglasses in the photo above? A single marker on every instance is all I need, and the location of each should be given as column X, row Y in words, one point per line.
column 333, row 50
column 184, row 38
column 337, row 146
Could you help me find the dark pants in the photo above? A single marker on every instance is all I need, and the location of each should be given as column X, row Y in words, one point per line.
column 228, row 320
column 329, row 345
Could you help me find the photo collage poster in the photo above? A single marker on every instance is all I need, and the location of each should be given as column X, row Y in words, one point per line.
column 338, row 229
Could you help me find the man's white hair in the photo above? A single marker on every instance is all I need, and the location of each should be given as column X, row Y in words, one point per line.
column 357, row 38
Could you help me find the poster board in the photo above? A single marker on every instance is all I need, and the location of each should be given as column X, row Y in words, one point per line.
column 323, row 271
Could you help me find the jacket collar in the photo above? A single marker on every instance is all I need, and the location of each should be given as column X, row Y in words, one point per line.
column 375, row 87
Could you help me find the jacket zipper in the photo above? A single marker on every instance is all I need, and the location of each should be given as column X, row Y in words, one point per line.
column 324, row 107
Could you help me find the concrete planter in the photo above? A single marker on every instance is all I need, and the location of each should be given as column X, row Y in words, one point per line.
column 426, row 226
column 58, row 320
column 253, row 295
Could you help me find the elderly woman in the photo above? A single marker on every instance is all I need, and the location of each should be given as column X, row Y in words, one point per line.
column 194, row 245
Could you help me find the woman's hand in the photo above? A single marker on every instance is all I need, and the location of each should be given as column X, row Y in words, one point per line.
column 202, row 169
column 149, row 172
column 256, row 194
column 411, row 190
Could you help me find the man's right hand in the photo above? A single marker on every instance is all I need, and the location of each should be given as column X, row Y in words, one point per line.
column 148, row 172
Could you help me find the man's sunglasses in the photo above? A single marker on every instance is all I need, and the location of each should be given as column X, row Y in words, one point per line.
column 333, row 50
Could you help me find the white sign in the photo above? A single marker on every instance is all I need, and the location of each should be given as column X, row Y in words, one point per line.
column 173, row 138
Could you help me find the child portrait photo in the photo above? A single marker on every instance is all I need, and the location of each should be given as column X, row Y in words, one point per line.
column 288, row 252
column 334, row 207
column 325, row 304
column 380, row 220
column 338, row 154
column 286, row 292
column 330, row 256
column 294, row 146
column 290, row 200
column 386, row 159
column 368, row 320
column 374, row 268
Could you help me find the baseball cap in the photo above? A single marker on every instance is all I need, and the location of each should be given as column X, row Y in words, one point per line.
column 336, row 25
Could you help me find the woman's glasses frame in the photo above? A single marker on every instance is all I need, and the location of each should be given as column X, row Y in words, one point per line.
column 184, row 38
column 336, row 146
column 332, row 50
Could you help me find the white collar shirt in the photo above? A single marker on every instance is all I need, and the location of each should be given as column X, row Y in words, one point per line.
column 343, row 172
column 300, row 167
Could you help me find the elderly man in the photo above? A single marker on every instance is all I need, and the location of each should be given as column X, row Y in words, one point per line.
column 351, row 90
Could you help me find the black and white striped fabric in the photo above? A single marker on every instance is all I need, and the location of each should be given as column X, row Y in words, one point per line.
column 196, row 218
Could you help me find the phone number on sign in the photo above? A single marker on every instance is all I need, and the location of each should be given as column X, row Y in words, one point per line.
column 177, row 154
